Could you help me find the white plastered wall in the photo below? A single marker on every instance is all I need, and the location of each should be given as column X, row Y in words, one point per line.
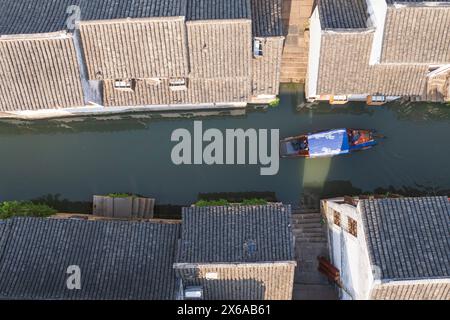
column 315, row 30
column 377, row 12
column 349, row 254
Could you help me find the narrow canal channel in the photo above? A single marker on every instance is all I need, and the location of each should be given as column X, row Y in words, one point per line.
column 79, row 158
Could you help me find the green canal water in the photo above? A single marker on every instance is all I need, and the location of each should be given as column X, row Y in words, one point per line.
column 68, row 161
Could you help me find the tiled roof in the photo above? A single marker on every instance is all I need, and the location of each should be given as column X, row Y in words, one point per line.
column 411, row 2
column 417, row 35
column 261, row 281
column 43, row 16
column 39, row 74
column 343, row 14
column 117, row 260
column 141, row 49
column 236, row 234
column 408, row 238
column 428, row 290
column 113, row 9
column 37, row 16
column 267, row 19
column 198, row 91
column 414, row 38
column 218, row 9
column 344, row 69
column 234, row 57
column 266, row 69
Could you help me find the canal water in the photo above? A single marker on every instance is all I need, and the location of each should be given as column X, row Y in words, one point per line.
column 68, row 161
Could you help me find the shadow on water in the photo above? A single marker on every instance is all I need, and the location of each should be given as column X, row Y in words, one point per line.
column 110, row 123
column 404, row 110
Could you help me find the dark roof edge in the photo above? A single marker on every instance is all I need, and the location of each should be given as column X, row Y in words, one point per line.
column 237, row 205
column 350, row 31
column 63, row 34
column 219, row 21
column 421, row 4
column 406, row 281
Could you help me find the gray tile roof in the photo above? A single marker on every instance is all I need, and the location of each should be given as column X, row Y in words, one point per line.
column 118, row 260
column 236, row 234
column 408, row 238
column 218, row 9
column 37, row 16
column 343, row 14
column 43, row 16
column 344, row 69
column 414, row 38
column 267, row 18
column 38, row 74
column 418, row 35
column 113, row 9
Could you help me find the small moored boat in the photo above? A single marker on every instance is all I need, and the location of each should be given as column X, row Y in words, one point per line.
column 327, row 143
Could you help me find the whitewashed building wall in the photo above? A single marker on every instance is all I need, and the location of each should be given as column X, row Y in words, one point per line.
column 349, row 254
column 314, row 55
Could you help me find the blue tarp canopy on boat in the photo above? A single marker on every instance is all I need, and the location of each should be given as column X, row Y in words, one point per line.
column 328, row 143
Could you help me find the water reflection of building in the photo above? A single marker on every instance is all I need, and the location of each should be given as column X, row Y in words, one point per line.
column 236, row 252
column 391, row 248
column 154, row 54
column 377, row 51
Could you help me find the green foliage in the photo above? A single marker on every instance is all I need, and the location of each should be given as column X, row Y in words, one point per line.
column 254, row 202
column 223, row 202
column 275, row 103
column 212, row 203
column 9, row 209
column 119, row 195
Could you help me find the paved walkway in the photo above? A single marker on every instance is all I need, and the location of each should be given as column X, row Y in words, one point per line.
column 310, row 242
column 294, row 64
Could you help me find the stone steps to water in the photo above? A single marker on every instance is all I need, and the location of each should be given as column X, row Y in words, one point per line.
column 313, row 277
column 310, row 243
column 308, row 215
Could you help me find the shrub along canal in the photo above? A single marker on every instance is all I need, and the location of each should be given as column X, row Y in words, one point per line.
column 68, row 161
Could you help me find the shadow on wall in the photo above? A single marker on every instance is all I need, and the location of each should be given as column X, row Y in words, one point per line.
column 64, row 205
column 286, row 10
column 162, row 211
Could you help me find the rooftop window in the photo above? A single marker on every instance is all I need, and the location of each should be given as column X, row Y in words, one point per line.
column 257, row 48
column 125, row 85
column 177, row 84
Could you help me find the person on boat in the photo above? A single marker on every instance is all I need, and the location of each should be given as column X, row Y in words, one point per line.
column 304, row 145
column 356, row 136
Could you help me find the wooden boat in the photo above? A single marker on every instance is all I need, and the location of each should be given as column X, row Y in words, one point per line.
column 327, row 143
